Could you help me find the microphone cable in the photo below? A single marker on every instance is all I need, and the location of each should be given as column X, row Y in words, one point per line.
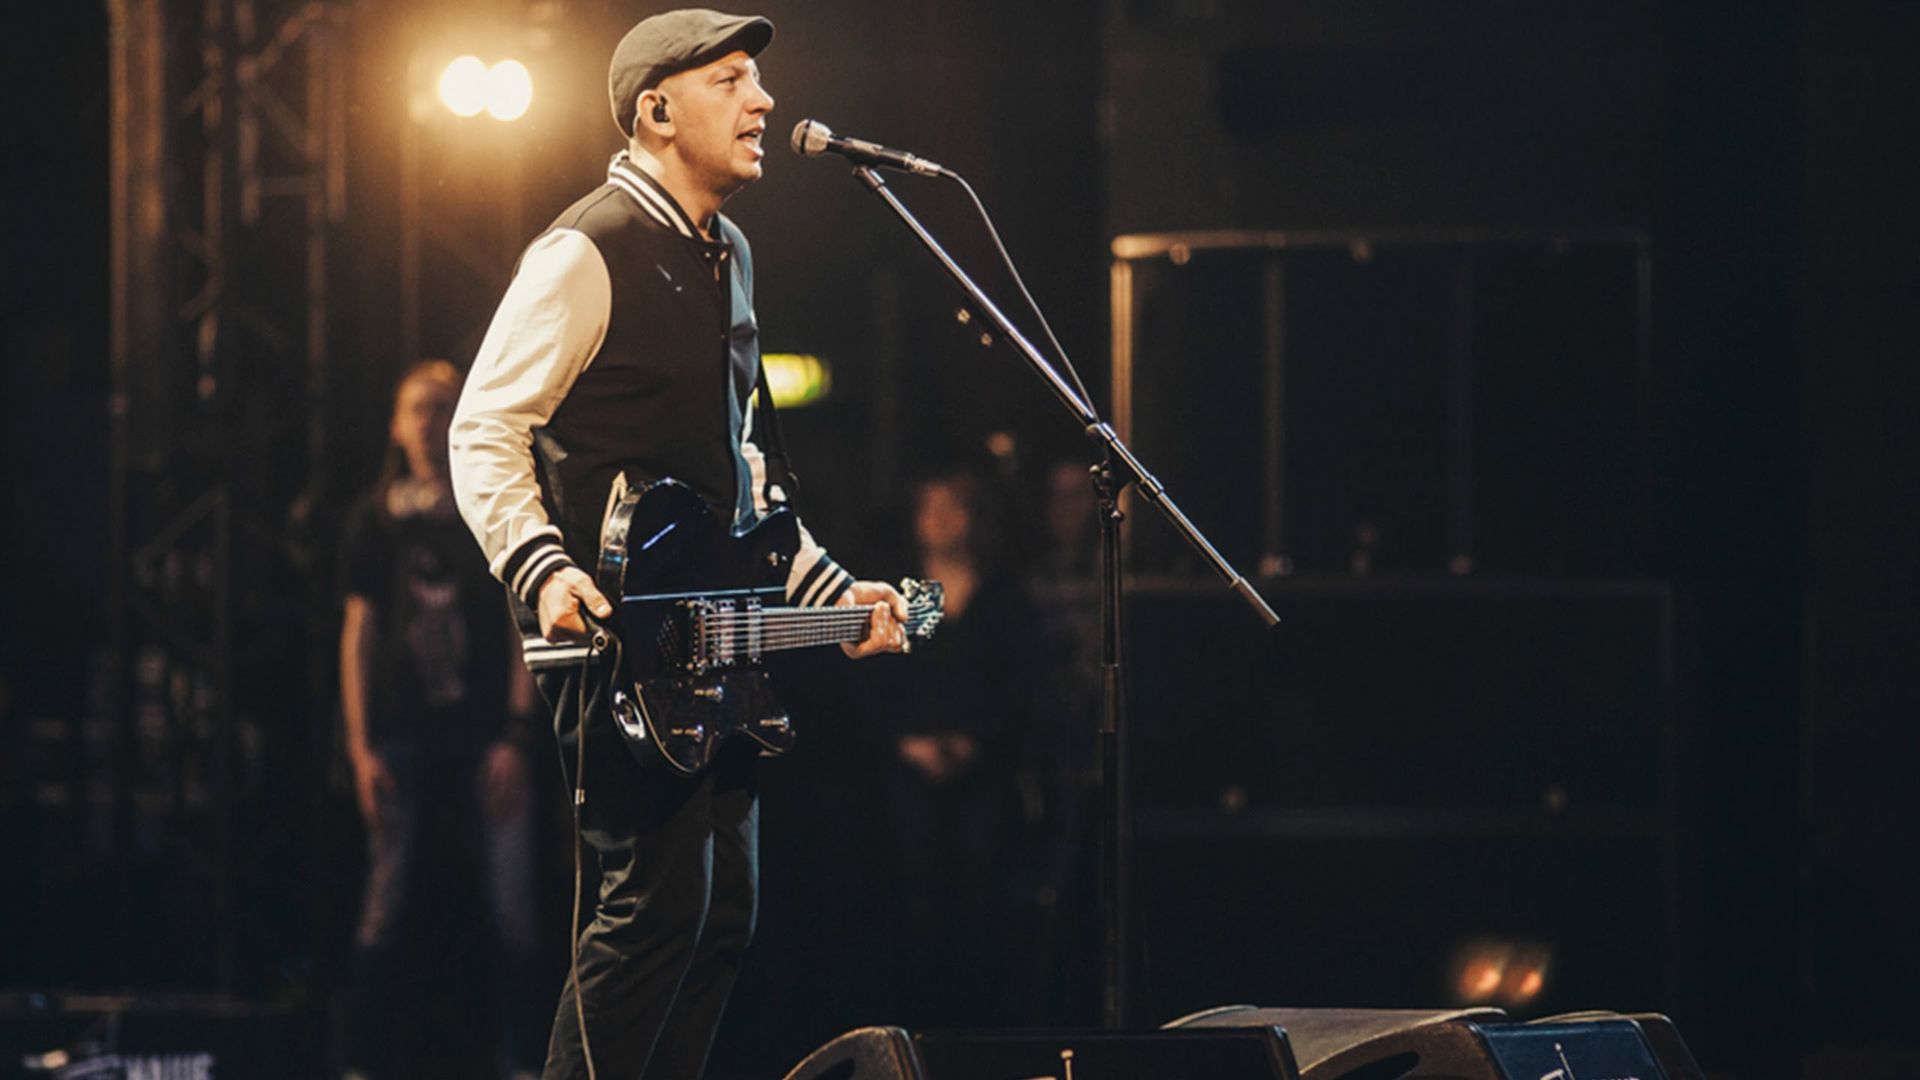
column 1059, row 353
column 811, row 138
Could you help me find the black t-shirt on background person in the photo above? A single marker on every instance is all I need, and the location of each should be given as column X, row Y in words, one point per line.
column 438, row 678
column 447, row 926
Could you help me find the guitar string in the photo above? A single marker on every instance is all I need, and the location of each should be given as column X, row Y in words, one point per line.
column 738, row 623
column 733, row 631
column 796, row 614
column 733, row 640
column 838, row 621
column 854, row 617
column 776, row 641
column 782, row 626
column 736, row 652
column 804, row 612
column 822, row 630
column 790, row 635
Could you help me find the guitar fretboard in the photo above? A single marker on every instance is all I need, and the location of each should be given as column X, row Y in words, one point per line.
column 728, row 636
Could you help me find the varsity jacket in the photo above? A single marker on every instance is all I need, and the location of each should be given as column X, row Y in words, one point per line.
column 624, row 351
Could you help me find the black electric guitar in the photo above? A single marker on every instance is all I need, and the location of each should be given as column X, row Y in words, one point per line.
column 697, row 606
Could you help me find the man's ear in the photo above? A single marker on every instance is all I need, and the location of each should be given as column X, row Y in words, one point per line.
column 650, row 112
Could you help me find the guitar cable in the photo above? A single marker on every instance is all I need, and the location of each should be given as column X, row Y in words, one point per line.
column 596, row 635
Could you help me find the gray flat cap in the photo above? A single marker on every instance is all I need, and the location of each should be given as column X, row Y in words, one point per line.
column 673, row 41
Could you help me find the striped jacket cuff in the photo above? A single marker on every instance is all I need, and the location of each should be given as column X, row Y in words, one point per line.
column 529, row 568
column 822, row 584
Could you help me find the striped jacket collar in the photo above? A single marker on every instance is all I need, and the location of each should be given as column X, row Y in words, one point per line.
column 627, row 175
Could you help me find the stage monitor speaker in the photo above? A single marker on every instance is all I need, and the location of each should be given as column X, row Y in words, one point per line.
column 890, row 1053
column 868, row 1053
column 1464, row 1044
column 1668, row 1048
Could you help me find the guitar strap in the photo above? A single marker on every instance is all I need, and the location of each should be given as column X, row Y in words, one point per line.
column 773, row 447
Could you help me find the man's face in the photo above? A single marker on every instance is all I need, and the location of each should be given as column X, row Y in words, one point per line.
column 719, row 113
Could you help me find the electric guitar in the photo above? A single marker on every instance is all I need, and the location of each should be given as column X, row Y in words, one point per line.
column 697, row 606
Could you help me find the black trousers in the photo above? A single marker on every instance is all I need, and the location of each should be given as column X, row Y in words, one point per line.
column 678, row 885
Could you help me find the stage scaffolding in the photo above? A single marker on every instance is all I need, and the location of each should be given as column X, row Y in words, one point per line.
column 228, row 183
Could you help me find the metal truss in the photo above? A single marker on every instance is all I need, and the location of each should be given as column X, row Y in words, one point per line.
column 228, row 180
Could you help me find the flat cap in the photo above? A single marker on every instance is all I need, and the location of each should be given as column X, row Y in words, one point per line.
column 674, row 41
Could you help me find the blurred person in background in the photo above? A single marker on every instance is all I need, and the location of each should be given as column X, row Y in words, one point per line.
column 964, row 708
column 1064, row 582
column 435, row 705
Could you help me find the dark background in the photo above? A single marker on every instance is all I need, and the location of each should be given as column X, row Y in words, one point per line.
column 1766, row 149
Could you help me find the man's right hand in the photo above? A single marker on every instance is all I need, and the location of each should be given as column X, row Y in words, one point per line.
column 560, row 599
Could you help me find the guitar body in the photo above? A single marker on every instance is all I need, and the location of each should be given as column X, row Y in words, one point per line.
column 697, row 604
column 668, row 558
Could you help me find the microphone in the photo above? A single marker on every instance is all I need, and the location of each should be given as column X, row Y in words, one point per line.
column 811, row 138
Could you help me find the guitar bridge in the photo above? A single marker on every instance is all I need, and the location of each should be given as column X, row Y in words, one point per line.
column 726, row 633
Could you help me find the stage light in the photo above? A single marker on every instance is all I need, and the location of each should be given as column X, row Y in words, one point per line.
column 1527, row 975
column 1481, row 976
column 1511, row 972
column 463, row 86
column 796, row 378
column 1527, row 987
column 509, row 90
column 1480, row 969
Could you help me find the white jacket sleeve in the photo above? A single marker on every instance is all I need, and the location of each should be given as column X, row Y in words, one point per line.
column 548, row 328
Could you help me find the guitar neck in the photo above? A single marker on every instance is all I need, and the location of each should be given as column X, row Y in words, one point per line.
column 730, row 633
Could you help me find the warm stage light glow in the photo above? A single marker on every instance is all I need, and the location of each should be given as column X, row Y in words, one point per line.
column 509, row 90
column 1511, row 972
column 1481, row 975
column 1528, row 986
column 796, row 378
column 463, row 86
column 469, row 87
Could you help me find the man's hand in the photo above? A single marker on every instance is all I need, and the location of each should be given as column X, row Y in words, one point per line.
column 502, row 782
column 560, row 598
column 371, row 780
column 885, row 632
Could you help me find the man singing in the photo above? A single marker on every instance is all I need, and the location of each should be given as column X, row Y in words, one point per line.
column 624, row 351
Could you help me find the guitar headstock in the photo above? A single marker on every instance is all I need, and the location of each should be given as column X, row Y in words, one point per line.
column 926, row 602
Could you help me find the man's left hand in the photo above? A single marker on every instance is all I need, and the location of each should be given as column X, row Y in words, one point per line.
column 885, row 629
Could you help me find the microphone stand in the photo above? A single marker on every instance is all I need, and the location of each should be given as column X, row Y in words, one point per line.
column 1117, row 469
